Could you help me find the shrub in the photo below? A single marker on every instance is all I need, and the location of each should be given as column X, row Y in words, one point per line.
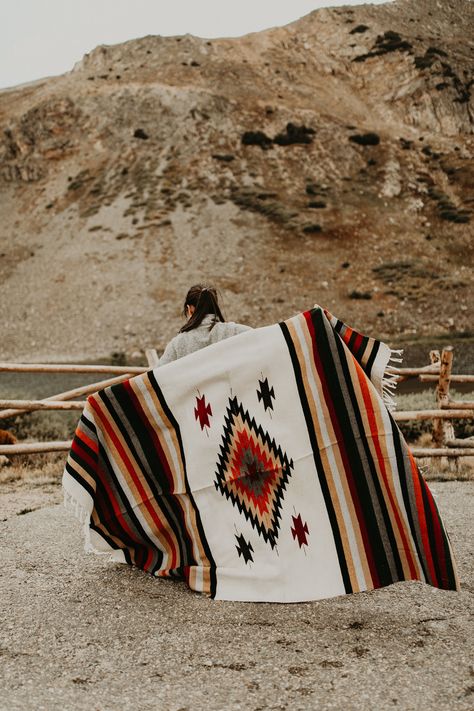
column 365, row 139
column 256, row 138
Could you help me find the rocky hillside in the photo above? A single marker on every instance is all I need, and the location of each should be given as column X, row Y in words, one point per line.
column 329, row 161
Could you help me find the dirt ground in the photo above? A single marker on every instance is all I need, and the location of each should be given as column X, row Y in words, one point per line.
column 80, row 633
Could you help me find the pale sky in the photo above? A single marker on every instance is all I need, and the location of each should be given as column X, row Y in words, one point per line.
column 40, row 38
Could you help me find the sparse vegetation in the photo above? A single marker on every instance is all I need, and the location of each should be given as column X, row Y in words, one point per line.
column 365, row 295
column 293, row 134
column 358, row 29
column 365, row 139
column 258, row 201
column 426, row 400
column 312, row 228
column 389, row 41
column 257, row 138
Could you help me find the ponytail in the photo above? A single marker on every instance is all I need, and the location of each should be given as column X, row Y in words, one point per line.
column 205, row 301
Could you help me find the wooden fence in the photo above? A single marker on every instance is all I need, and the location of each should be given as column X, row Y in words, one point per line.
column 438, row 371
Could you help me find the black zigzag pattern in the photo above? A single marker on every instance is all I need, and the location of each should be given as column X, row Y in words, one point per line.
column 278, row 484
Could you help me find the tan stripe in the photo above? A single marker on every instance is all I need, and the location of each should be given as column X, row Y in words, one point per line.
column 102, row 527
column 398, row 506
column 138, row 499
column 340, row 473
column 178, row 473
column 83, row 473
column 353, row 367
column 189, row 513
column 305, row 366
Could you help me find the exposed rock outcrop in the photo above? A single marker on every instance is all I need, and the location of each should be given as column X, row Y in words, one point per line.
column 168, row 159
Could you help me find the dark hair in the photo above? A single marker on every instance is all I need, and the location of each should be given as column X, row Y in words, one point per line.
column 204, row 299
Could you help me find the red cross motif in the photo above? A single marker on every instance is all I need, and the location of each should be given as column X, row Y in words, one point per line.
column 202, row 412
column 300, row 530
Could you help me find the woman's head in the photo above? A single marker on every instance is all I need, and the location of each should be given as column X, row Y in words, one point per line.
column 200, row 301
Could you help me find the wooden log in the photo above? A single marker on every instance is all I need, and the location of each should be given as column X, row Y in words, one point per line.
column 70, row 394
column 34, row 447
column 406, row 415
column 434, row 369
column 44, row 404
column 406, row 373
column 442, row 430
column 63, row 368
column 441, row 452
column 457, row 442
column 454, row 378
column 152, row 357
column 458, row 405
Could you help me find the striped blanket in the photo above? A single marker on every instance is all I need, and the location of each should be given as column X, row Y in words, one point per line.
column 263, row 467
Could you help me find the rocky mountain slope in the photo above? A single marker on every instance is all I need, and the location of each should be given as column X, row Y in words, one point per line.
column 329, row 161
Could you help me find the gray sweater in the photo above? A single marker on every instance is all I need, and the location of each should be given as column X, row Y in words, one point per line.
column 200, row 337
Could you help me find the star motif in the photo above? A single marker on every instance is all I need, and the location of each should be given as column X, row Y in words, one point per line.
column 300, row 530
column 202, row 412
column 244, row 549
column 266, row 393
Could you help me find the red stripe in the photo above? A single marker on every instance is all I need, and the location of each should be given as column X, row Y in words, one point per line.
column 417, row 483
column 152, row 432
column 357, row 343
column 82, row 454
column 347, row 333
column 381, row 462
column 144, row 496
column 91, row 443
column 440, row 551
column 344, row 456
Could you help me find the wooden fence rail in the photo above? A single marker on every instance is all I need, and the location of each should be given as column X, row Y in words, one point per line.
column 439, row 371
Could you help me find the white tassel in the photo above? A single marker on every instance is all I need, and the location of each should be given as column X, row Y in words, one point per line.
column 70, row 504
column 396, row 352
column 390, row 380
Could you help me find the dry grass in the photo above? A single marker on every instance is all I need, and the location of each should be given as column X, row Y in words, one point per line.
column 34, row 469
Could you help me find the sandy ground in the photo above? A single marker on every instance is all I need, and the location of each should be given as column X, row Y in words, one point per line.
column 80, row 633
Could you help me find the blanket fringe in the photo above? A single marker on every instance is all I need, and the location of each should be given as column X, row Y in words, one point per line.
column 389, row 380
column 74, row 507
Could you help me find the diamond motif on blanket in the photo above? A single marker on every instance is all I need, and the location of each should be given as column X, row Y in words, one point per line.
column 252, row 471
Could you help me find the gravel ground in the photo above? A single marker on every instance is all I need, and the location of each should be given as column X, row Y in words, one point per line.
column 80, row 633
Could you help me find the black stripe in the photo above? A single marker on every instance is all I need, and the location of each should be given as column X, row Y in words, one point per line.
column 370, row 362
column 361, row 350
column 158, row 482
column 431, row 533
column 85, row 484
column 352, row 340
column 405, row 476
column 347, row 442
column 199, row 525
column 109, row 519
column 447, row 581
column 76, row 458
column 361, row 433
column 317, row 459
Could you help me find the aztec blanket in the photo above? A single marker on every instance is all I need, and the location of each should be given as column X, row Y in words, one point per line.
column 265, row 467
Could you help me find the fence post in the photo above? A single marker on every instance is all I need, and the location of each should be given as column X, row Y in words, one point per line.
column 443, row 430
column 152, row 357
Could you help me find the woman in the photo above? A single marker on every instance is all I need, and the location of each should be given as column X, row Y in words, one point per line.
column 205, row 324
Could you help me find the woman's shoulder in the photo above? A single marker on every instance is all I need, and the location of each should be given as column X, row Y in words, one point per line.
column 233, row 327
